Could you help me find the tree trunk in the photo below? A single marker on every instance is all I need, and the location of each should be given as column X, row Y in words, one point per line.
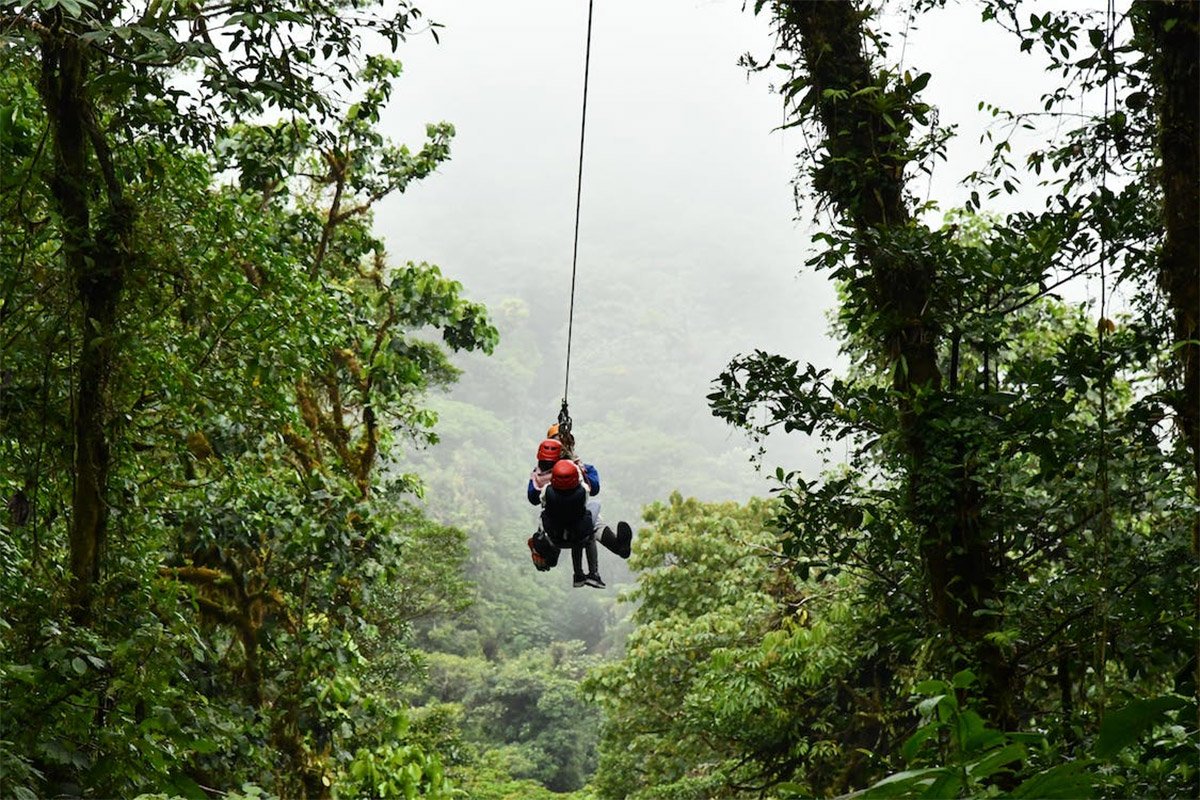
column 96, row 266
column 1175, row 31
column 863, row 179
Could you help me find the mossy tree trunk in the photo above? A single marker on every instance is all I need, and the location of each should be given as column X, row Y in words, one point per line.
column 95, row 247
column 862, row 177
column 1173, row 34
column 1174, row 29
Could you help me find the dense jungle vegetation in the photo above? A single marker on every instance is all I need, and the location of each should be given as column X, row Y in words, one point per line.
column 252, row 547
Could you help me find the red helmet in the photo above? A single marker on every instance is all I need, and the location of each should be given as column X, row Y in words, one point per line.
column 549, row 450
column 564, row 476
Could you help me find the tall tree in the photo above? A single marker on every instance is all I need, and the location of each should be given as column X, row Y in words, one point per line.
column 868, row 118
column 997, row 435
column 209, row 286
column 108, row 74
column 1171, row 32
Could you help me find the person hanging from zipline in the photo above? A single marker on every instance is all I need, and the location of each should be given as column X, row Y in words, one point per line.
column 566, row 487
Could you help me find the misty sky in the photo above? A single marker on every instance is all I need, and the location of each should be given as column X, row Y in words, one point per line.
column 683, row 173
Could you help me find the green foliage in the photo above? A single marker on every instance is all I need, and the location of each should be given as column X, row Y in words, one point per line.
column 736, row 670
column 525, row 712
column 1147, row 747
column 972, row 759
column 289, row 57
column 257, row 574
column 953, row 753
column 260, row 573
column 1124, row 726
column 1010, row 500
column 490, row 778
column 391, row 771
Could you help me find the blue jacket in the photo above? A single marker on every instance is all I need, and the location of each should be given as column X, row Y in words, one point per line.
column 590, row 474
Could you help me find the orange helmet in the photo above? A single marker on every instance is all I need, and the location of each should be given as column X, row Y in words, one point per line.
column 564, row 476
column 552, row 431
column 549, row 450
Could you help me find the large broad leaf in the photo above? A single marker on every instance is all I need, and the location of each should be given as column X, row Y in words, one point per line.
column 1127, row 724
column 964, row 679
column 1064, row 782
column 974, row 736
column 902, row 783
column 996, row 760
column 913, row 745
column 946, row 787
column 184, row 786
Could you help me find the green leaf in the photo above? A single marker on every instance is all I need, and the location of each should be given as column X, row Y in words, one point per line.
column 912, row 746
column 963, row 679
column 1127, row 724
column 205, row 746
column 946, row 787
column 186, row 787
column 974, row 736
column 79, row 665
column 1062, row 782
column 942, row 704
column 994, row 761
column 895, row 785
column 22, row 672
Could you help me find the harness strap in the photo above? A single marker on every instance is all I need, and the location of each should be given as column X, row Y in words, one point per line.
column 564, row 428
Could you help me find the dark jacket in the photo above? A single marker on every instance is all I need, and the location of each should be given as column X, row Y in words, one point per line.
column 565, row 516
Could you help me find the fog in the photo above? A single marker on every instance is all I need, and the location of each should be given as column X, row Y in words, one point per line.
column 688, row 220
column 691, row 246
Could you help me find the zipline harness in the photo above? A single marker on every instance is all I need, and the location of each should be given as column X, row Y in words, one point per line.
column 564, row 416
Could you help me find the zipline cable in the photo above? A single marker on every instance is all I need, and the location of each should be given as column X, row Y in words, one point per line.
column 564, row 418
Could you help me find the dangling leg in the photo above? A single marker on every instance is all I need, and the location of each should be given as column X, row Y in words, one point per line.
column 588, row 527
column 577, row 563
column 590, row 549
column 618, row 543
column 593, row 577
column 624, row 539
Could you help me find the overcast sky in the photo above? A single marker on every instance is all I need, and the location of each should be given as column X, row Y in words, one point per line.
column 682, row 157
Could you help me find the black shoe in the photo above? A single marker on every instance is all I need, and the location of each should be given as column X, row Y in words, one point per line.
column 617, row 543
column 593, row 580
column 580, row 580
column 624, row 538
